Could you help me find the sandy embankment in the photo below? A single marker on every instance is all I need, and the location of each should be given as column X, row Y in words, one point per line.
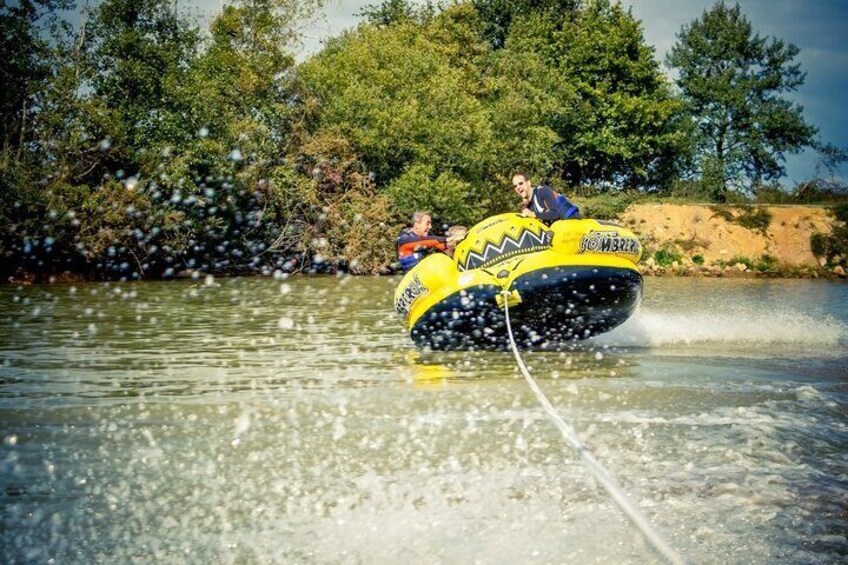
column 694, row 230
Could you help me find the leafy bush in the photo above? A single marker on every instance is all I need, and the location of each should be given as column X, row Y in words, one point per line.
column 840, row 211
column 774, row 195
column 762, row 264
column 691, row 243
column 754, row 218
column 821, row 191
column 346, row 220
column 765, row 263
column 833, row 247
column 666, row 257
column 444, row 195
column 698, row 259
column 604, row 206
column 690, row 190
column 819, row 244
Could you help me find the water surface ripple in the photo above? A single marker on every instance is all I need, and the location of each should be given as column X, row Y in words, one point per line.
column 292, row 421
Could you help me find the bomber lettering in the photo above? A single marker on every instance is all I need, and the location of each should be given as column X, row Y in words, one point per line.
column 408, row 296
column 609, row 242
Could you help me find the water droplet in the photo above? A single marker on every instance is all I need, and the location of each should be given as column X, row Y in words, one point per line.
column 242, row 424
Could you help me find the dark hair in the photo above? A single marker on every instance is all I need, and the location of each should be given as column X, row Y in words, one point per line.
column 522, row 173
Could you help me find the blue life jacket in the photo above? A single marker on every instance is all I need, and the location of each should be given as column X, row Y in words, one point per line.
column 550, row 206
column 410, row 261
column 565, row 207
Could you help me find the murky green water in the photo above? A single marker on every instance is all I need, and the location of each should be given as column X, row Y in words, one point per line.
column 292, row 421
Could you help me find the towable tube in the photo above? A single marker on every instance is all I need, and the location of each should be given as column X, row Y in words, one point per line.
column 567, row 282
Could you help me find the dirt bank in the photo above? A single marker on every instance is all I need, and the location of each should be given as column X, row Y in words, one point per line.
column 688, row 239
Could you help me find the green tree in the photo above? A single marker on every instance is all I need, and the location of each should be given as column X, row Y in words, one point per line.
column 111, row 105
column 105, row 117
column 34, row 42
column 734, row 83
column 407, row 97
column 140, row 50
column 396, row 11
column 526, row 99
column 30, row 34
column 212, row 161
column 246, row 117
column 615, row 118
column 162, row 155
column 240, row 89
column 498, row 15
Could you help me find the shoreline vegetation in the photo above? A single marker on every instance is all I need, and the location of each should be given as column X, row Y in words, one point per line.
column 136, row 144
column 688, row 240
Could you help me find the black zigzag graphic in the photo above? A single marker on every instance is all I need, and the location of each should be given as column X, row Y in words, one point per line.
column 507, row 247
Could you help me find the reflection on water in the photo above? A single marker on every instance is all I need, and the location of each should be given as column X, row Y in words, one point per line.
column 291, row 420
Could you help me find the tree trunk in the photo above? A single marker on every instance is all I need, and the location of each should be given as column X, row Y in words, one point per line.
column 4, row 161
column 23, row 128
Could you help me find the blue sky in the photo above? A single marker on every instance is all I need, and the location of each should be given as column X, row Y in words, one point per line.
column 817, row 27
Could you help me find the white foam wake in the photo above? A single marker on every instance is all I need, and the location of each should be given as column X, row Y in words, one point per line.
column 740, row 328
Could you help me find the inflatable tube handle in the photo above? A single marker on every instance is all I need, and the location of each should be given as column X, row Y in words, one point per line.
column 512, row 298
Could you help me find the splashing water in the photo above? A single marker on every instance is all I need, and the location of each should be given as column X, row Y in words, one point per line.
column 749, row 328
column 243, row 422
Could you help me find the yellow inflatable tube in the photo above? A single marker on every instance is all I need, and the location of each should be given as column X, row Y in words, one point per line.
column 569, row 281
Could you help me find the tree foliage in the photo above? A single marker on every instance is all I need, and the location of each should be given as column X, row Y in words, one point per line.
column 406, row 97
column 616, row 120
column 392, row 12
column 734, row 83
column 163, row 152
column 442, row 117
column 140, row 145
column 498, row 15
column 31, row 40
column 34, row 44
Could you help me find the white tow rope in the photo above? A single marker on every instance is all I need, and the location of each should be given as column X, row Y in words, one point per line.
column 598, row 471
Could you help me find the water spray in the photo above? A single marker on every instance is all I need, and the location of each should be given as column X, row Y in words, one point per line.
column 597, row 469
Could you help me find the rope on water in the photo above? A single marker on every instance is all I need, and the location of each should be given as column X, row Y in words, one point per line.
column 598, row 471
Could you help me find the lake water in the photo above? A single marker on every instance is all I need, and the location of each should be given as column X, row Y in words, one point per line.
column 292, row 421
